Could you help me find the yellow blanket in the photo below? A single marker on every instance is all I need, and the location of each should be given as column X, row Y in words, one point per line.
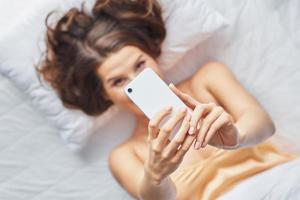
column 217, row 174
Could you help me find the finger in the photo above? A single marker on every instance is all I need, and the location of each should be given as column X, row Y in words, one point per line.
column 184, row 147
column 206, row 123
column 221, row 121
column 179, row 138
column 169, row 126
column 187, row 99
column 196, row 116
column 155, row 121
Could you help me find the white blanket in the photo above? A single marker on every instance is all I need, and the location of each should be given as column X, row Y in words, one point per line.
column 280, row 182
column 262, row 47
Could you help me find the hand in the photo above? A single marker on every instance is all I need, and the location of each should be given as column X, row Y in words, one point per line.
column 165, row 155
column 213, row 124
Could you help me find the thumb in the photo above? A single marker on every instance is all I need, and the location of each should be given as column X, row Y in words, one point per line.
column 187, row 99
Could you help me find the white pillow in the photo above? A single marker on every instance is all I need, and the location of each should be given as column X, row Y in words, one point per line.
column 189, row 22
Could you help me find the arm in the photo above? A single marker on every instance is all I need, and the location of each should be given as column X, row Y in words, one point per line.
column 165, row 190
column 252, row 121
column 129, row 172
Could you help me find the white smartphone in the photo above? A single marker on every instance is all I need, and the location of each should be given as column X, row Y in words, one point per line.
column 151, row 94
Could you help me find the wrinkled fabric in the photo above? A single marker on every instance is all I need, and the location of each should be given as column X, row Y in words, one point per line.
column 212, row 177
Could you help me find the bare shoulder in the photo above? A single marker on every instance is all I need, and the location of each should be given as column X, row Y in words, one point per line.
column 208, row 71
column 223, row 84
column 198, row 85
column 124, row 148
column 126, row 167
column 119, row 154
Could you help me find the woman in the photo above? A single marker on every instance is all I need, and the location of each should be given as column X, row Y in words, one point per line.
column 91, row 58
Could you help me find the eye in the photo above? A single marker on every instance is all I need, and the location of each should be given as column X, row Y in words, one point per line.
column 117, row 81
column 140, row 64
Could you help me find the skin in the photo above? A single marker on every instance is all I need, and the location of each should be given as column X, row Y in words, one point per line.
column 222, row 109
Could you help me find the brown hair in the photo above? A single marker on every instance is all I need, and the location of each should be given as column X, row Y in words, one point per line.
column 80, row 42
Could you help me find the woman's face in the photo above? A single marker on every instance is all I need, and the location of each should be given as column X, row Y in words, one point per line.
column 119, row 69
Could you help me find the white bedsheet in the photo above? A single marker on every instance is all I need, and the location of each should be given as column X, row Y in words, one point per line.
column 36, row 165
column 280, row 182
column 262, row 47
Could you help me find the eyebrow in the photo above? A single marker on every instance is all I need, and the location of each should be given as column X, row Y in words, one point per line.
column 135, row 63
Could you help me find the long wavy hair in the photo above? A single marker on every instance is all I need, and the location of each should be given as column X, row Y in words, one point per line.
column 79, row 42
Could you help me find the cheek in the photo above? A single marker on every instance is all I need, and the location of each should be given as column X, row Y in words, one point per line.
column 119, row 96
column 121, row 99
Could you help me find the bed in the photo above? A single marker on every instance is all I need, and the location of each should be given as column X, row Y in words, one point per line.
column 262, row 47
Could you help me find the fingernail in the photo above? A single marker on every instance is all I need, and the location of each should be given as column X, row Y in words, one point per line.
column 171, row 84
column 197, row 145
column 191, row 130
column 183, row 109
column 198, row 126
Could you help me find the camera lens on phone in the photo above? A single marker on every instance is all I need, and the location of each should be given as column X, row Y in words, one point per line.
column 129, row 90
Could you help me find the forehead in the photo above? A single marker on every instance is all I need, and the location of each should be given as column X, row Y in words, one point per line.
column 122, row 58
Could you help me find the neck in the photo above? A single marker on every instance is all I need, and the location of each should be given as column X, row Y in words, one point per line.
column 141, row 129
